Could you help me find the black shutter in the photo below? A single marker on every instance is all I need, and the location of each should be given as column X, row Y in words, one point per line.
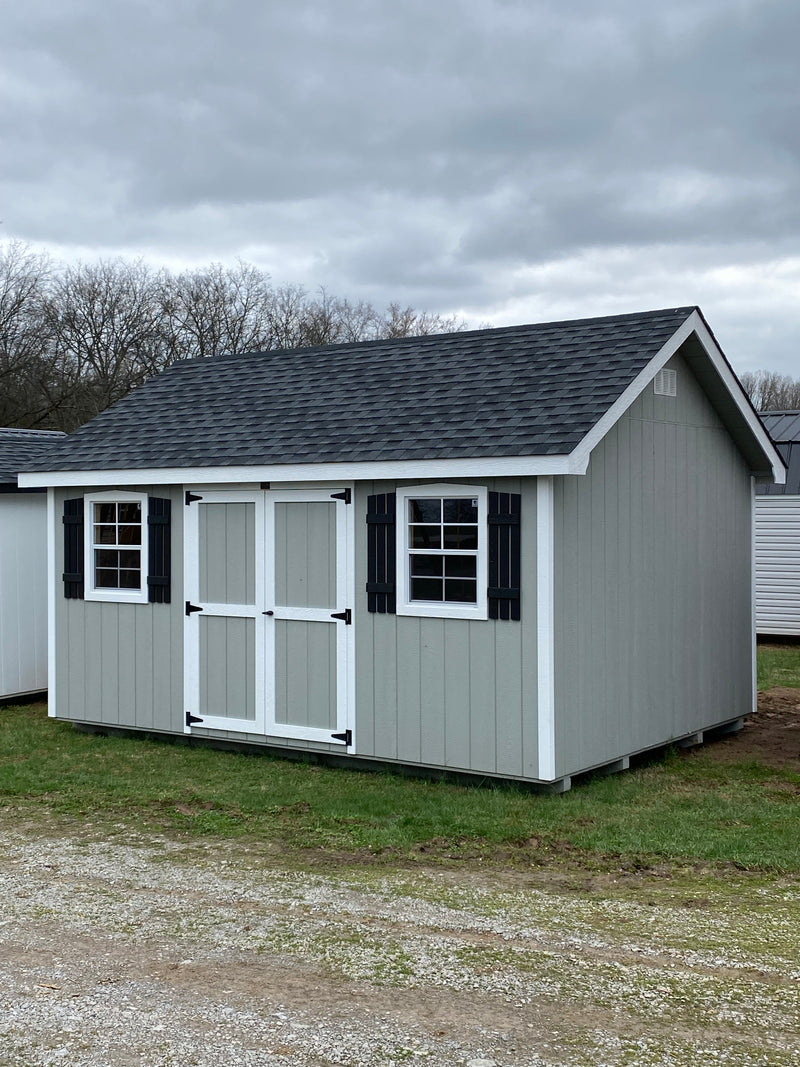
column 381, row 554
column 73, row 548
column 504, row 555
column 158, row 550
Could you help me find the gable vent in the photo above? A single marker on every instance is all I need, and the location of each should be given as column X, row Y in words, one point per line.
column 665, row 382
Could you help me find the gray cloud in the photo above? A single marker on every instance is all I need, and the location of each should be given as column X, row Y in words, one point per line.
column 454, row 155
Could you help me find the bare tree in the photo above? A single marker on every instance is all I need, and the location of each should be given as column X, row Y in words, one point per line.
column 216, row 310
column 103, row 323
column 770, row 391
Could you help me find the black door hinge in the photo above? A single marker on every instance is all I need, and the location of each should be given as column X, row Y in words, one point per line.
column 191, row 607
column 346, row 496
column 191, row 719
column 346, row 616
column 191, row 497
column 347, row 737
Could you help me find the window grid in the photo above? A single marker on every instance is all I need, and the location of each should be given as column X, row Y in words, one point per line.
column 442, row 543
column 116, row 545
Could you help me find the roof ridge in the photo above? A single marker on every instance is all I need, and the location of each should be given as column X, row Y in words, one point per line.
column 460, row 335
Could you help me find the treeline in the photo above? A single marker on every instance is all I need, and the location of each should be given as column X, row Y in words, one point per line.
column 74, row 339
column 770, row 391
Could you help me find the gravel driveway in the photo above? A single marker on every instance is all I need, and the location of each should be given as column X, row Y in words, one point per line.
column 161, row 953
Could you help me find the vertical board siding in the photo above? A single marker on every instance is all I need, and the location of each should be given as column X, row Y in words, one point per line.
column 452, row 693
column 777, row 521
column 227, row 534
column 653, row 624
column 227, row 671
column 121, row 664
column 305, row 673
column 305, row 554
column 23, row 592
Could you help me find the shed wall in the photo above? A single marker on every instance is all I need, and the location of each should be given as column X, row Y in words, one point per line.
column 121, row 664
column 23, row 593
column 449, row 692
column 778, row 565
column 653, row 614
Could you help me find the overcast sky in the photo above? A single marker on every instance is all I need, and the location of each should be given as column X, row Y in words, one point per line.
column 506, row 160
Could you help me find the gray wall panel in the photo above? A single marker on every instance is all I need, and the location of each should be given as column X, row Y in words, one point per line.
column 305, row 673
column 452, row 693
column 121, row 664
column 653, row 630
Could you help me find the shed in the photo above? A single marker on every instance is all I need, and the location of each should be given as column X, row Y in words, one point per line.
column 777, row 519
column 520, row 552
column 23, row 567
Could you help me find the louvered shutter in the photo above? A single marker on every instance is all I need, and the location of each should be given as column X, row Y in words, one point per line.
column 504, row 555
column 73, row 548
column 158, row 550
column 381, row 553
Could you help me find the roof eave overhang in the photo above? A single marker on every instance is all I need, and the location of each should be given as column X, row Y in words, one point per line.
column 476, row 467
column 763, row 456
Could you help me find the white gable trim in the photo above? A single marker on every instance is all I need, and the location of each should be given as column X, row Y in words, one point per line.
column 400, row 470
column 579, row 459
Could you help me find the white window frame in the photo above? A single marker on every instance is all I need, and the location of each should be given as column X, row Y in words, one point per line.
column 115, row 596
column 441, row 609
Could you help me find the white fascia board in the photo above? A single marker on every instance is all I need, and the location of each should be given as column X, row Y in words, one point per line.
column 579, row 459
column 484, row 467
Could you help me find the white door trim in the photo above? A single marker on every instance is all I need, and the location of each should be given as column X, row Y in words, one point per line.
column 191, row 579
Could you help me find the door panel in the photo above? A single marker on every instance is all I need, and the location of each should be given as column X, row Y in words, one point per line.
column 227, row 667
column 305, row 674
column 224, row 675
column 306, row 586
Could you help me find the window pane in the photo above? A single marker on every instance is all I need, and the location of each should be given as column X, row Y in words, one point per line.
column 460, row 591
column 425, row 536
column 461, row 566
column 106, row 579
column 427, row 566
column 461, row 510
column 129, row 579
column 105, row 557
column 426, row 589
column 130, row 535
column 105, row 535
column 424, row 511
column 105, row 513
column 129, row 559
column 130, row 512
column 460, row 536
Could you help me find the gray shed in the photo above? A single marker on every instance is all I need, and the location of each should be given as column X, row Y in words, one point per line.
column 521, row 552
column 23, row 567
column 778, row 533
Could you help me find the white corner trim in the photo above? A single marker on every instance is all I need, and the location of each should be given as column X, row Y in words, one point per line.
column 753, row 627
column 545, row 627
column 579, row 458
column 315, row 473
column 51, row 603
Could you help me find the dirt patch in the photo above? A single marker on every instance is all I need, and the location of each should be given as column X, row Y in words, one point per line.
column 771, row 736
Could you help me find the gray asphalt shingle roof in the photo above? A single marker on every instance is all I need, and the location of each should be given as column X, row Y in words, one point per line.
column 515, row 391
column 21, row 447
column 784, row 429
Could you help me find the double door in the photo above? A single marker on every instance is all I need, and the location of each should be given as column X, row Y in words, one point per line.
column 268, row 640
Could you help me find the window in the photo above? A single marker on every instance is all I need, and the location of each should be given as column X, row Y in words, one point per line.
column 441, row 551
column 116, row 547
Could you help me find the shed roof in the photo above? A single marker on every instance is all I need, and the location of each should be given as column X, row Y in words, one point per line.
column 20, row 447
column 498, row 394
column 784, row 429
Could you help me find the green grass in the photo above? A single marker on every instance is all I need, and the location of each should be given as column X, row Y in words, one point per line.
column 778, row 665
column 681, row 809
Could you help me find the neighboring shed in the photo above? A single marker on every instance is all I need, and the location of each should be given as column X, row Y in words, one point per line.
column 23, row 567
column 777, row 518
column 521, row 552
